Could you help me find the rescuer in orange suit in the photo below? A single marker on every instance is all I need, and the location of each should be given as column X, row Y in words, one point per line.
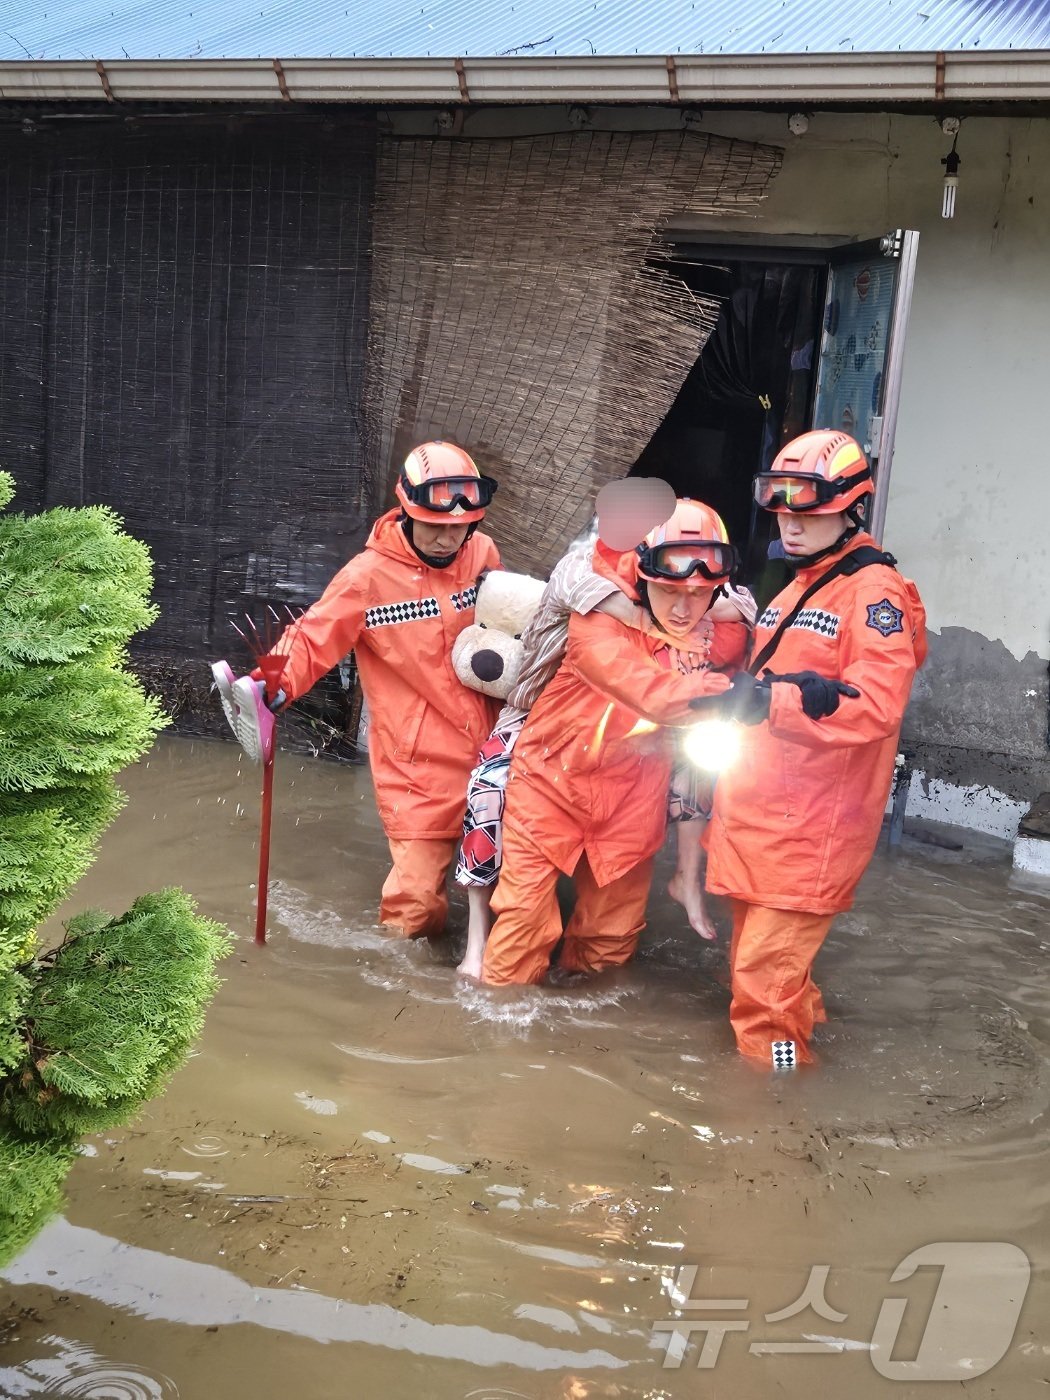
column 797, row 815
column 399, row 605
column 587, row 793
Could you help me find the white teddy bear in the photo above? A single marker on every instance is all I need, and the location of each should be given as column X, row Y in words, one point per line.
column 487, row 656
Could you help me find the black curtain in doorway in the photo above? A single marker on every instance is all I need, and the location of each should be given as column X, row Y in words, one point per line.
column 748, row 393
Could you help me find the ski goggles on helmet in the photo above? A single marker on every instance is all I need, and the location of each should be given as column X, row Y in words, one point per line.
column 678, row 560
column 802, row 491
column 449, row 492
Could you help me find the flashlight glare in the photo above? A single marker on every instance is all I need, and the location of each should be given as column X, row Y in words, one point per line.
column 712, row 745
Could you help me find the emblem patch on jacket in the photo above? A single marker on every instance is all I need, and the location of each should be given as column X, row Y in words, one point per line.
column 817, row 620
column 411, row 610
column 885, row 618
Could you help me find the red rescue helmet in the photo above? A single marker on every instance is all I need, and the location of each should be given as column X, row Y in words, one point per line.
column 692, row 547
column 440, row 483
column 820, row 473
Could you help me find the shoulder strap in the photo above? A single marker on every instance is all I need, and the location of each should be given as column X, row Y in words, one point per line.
column 851, row 563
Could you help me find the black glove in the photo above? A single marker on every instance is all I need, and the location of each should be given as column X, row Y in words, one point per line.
column 820, row 694
column 746, row 700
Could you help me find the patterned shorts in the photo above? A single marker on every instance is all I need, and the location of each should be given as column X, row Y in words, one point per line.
column 692, row 793
column 481, row 854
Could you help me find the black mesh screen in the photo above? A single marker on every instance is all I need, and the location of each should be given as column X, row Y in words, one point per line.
column 183, row 337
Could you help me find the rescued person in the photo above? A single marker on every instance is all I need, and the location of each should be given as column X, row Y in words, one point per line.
column 587, row 794
column 797, row 815
column 399, row 605
column 720, row 639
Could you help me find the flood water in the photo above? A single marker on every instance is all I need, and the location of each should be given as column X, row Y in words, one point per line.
column 372, row 1180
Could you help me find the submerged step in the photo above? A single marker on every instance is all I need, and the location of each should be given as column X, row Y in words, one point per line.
column 1032, row 846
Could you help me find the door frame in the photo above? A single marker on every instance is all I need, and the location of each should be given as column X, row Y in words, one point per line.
column 825, row 251
column 907, row 249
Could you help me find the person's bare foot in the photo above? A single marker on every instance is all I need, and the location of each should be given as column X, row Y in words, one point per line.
column 479, row 923
column 471, row 964
column 691, row 898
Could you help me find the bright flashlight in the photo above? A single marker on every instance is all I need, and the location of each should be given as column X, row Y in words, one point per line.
column 713, row 744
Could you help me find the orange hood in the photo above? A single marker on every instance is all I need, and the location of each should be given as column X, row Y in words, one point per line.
column 619, row 568
column 387, row 537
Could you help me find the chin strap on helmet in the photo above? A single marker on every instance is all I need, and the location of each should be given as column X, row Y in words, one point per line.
column 432, row 561
column 856, row 513
column 642, row 588
column 803, row 561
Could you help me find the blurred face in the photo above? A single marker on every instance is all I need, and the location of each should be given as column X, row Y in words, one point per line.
column 679, row 607
column 809, row 534
column 438, row 540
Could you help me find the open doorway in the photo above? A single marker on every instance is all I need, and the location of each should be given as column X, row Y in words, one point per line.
column 750, row 391
column 806, row 338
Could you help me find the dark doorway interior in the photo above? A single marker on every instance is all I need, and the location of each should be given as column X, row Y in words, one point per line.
column 749, row 392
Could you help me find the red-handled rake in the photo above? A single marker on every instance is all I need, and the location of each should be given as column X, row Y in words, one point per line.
column 265, row 647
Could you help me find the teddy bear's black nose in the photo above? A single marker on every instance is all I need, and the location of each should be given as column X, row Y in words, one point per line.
column 487, row 665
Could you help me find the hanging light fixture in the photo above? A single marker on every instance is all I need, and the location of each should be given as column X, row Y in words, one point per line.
column 951, row 163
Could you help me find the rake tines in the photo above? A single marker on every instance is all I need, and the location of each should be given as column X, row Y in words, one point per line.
column 269, row 643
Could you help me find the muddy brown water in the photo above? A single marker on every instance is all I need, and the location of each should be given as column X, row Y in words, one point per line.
column 372, row 1180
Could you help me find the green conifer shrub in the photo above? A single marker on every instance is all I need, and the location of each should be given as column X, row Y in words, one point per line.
column 92, row 1029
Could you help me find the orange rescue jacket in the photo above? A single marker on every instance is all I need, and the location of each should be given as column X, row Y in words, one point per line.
column 401, row 617
column 797, row 816
column 590, row 773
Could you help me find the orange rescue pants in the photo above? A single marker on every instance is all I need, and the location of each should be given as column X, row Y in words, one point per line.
column 414, row 902
column 774, row 996
column 603, row 931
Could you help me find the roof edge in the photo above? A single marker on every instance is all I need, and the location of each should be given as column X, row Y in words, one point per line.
column 809, row 80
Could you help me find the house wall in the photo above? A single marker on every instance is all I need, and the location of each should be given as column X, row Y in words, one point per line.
column 967, row 505
column 968, row 515
column 968, row 495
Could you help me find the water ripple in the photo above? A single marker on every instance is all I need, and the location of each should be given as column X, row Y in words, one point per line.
column 75, row 1372
column 207, row 1145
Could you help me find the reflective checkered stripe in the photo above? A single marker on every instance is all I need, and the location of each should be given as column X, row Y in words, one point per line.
column 411, row 610
column 769, row 618
column 464, row 600
column 816, row 620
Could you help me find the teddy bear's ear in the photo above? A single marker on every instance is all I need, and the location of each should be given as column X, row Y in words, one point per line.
column 506, row 602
